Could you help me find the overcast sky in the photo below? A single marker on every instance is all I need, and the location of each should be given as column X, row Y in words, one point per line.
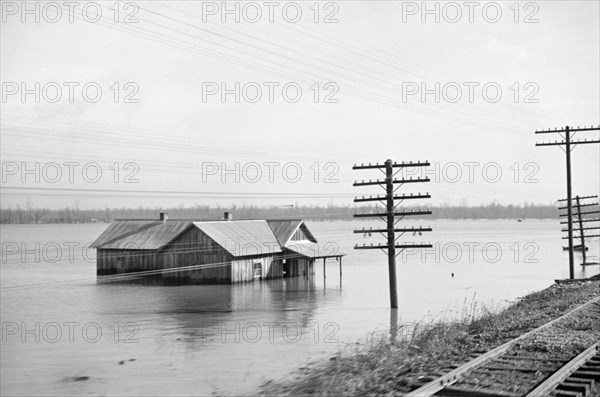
column 501, row 70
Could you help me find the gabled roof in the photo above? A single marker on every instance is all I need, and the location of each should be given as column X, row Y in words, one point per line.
column 119, row 229
column 241, row 238
column 140, row 234
column 284, row 229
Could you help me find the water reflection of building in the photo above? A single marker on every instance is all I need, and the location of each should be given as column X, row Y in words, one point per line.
column 209, row 252
column 201, row 316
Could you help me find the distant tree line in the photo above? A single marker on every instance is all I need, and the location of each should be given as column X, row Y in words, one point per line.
column 73, row 214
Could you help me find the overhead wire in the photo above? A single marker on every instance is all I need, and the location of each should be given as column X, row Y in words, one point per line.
column 287, row 67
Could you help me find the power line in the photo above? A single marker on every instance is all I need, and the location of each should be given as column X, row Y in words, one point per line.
column 287, row 67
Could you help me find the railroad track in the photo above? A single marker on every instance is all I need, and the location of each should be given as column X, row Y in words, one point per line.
column 576, row 378
column 534, row 362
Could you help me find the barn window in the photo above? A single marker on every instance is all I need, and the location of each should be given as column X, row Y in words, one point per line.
column 257, row 267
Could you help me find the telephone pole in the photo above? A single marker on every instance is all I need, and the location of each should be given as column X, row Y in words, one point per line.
column 568, row 147
column 391, row 215
column 581, row 235
column 581, row 212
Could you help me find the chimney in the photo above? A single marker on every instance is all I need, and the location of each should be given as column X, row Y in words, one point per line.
column 227, row 216
column 163, row 217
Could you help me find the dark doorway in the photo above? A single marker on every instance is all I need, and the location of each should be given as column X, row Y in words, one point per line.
column 290, row 268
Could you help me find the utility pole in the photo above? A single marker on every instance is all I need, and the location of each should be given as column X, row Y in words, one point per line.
column 569, row 206
column 391, row 237
column 581, row 211
column 391, row 215
column 567, row 143
column 581, row 229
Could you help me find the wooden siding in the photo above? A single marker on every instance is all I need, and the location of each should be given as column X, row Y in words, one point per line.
column 195, row 248
column 302, row 234
column 299, row 235
column 192, row 248
column 243, row 270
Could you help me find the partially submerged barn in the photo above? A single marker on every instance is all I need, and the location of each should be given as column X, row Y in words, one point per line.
column 210, row 252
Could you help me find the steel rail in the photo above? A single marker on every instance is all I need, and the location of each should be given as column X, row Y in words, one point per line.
column 564, row 372
column 452, row 376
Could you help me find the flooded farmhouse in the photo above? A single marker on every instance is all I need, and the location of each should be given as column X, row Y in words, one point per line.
column 210, row 252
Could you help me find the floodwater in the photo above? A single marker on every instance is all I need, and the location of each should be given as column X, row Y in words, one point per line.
column 63, row 333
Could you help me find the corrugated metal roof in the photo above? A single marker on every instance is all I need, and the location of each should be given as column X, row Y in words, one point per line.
column 140, row 235
column 283, row 229
column 121, row 228
column 314, row 250
column 241, row 238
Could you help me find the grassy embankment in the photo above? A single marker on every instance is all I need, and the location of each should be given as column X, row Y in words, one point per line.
column 382, row 365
